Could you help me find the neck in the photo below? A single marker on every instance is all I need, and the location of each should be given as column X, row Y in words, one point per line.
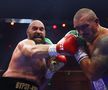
column 99, row 31
column 98, row 34
column 40, row 42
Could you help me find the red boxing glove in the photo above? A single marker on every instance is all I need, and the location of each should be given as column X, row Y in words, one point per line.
column 61, row 58
column 68, row 44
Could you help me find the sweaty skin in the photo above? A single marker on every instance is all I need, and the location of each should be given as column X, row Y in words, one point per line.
column 87, row 24
column 98, row 53
column 27, row 60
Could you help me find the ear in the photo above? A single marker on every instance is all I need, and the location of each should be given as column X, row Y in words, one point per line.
column 97, row 20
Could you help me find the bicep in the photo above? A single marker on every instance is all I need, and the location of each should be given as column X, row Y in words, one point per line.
column 102, row 51
column 100, row 58
column 25, row 48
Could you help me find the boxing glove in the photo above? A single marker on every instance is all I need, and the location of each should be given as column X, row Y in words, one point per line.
column 81, row 53
column 68, row 44
column 82, row 47
column 55, row 65
column 75, row 32
column 61, row 58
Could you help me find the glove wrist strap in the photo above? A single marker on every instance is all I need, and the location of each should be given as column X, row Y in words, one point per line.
column 52, row 51
column 80, row 55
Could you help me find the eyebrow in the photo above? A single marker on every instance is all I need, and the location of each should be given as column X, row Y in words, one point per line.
column 82, row 26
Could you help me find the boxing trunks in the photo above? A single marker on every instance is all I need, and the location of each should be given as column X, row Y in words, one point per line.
column 7, row 83
column 100, row 84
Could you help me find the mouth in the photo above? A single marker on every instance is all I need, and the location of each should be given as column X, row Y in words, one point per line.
column 38, row 36
column 85, row 35
column 38, row 39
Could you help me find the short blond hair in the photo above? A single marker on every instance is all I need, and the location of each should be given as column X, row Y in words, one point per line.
column 85, row 11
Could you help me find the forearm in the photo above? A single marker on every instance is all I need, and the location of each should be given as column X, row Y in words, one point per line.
column 91, row 68
column 87, row 67
column 40, row 51
column 86, row 63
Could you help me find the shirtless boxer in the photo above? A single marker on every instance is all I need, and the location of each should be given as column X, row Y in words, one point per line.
column 27, row 68
column 95, row 62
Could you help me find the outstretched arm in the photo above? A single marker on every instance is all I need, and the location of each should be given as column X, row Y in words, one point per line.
column 30, row 49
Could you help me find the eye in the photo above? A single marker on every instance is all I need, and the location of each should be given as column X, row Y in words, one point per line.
column 42, row 28
column 82, row 27
column 85, row 26
column 34, row 28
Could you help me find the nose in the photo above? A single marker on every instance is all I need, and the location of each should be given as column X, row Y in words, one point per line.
column 38, row 30
column 81, row 32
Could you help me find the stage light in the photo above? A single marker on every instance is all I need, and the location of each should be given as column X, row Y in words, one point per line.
column 54, row 26
column 25, row 21
column 63, row 25
column 12, row 22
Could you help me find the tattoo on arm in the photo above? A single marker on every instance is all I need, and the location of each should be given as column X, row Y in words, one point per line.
column 100, row 55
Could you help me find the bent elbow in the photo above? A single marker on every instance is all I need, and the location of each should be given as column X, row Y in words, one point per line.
column 91, row 77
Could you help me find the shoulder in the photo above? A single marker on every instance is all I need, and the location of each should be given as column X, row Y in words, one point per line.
column 102, row 44
column 26, row 42
column 103, row 37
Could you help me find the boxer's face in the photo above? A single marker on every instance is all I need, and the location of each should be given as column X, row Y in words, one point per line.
column 86, row 28
column 36, row 31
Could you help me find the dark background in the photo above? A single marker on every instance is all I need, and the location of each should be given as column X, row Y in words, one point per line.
column 50, row 12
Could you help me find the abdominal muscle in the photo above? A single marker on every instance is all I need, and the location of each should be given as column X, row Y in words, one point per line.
column 27, row 70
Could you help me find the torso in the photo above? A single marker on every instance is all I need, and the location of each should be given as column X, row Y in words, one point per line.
column 92, row 47
column 99, row 56
column 29, row 68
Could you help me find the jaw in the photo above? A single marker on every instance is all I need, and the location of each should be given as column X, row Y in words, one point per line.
column 38, row 40
column 91, row 40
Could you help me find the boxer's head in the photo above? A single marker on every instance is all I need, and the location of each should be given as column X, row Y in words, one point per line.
column 87, row 23
column 36, row 31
